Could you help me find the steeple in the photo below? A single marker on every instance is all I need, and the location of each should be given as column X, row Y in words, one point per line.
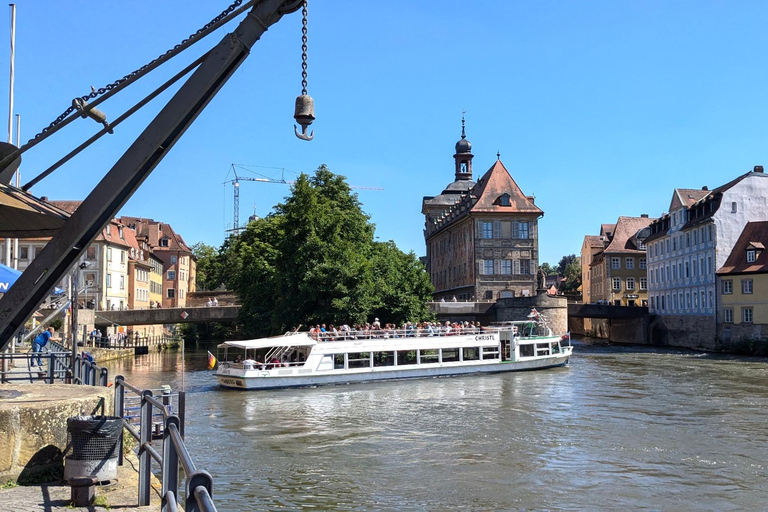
column 463, row 156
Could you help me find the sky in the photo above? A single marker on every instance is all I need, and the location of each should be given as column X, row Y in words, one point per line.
column 598, row 108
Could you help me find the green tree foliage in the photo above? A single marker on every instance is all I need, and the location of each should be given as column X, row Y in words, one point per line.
column 208, row 266
column 571, row 272
column 564, row 262
column 314, row 260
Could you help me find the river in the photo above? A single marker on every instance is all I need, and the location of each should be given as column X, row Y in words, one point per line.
column 621, row 428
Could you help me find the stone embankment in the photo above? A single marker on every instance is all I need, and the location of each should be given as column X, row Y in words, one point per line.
column 33, row 441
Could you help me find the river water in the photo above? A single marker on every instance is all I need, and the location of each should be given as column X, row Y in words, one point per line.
column 619, row 429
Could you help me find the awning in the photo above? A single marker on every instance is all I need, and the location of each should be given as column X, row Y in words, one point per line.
column 22, row 215
column 292, row 340
column 8, row 276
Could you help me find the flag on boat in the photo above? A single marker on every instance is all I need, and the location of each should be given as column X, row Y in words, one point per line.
column 566, row 336
column 211, row 360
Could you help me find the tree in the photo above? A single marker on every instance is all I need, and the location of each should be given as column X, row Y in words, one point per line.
column 208, row 266
column 564, row 261
column 314, row 261
column 572, row 274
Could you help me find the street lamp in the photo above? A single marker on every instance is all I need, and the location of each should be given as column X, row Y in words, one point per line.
column 75, row 307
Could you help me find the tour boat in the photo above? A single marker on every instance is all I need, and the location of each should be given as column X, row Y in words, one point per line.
column 301, row 359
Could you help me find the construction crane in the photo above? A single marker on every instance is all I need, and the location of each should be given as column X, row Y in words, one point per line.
column 236, row 192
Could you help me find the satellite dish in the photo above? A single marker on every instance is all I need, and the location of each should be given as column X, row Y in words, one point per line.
column 6, row 173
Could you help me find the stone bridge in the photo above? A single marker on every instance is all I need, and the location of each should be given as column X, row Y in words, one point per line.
column 618, row 324
column 188, row 315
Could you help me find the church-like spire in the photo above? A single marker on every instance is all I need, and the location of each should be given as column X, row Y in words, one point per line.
column 463, row 156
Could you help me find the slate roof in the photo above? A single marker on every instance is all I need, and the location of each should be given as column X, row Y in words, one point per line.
column 754, row 236
column 626, row 228
column 495, row 182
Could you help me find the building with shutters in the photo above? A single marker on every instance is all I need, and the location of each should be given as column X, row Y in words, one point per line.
column 481, row 237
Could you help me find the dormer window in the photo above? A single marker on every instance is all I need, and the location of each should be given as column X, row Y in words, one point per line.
column 109, row 230
column 503, row 200
column 751, row 256
column 120, row 231
column 163, row 242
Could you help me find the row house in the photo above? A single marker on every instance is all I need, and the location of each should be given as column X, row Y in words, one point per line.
column 481, row 237
column 591, row 247
column 686, row 248
column 742, row 284
column 617, row 274
column 179, row 265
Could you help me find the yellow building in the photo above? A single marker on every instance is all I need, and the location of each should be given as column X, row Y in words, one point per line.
column 742, row 285
column 618, row 274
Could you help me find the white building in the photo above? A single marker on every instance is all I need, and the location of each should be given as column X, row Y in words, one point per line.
column 688, row 245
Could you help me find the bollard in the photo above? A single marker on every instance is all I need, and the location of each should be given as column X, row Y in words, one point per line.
column 83, row 490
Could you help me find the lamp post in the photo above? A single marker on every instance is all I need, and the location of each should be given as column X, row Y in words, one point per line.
column 75, row 307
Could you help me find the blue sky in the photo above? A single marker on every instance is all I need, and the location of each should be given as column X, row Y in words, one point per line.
column 598, row 108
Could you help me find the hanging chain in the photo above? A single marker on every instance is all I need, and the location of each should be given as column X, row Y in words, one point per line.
column 98, row 92
column 304, row 48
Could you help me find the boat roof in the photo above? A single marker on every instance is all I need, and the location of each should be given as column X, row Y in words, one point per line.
column 294, row 340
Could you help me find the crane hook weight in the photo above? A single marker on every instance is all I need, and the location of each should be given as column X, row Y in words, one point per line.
column 304, row 115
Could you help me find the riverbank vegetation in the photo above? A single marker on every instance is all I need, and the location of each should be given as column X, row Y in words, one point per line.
column 315, row 260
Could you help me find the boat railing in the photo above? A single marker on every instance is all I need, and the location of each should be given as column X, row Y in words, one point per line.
column 396, row 333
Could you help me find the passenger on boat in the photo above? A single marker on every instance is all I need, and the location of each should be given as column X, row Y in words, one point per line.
column 249, row 364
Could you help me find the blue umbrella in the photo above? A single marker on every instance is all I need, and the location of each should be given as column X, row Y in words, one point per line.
column 9, row 275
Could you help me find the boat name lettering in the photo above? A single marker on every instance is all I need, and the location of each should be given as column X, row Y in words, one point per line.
column 484, row 337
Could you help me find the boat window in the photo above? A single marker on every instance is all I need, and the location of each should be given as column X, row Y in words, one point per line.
column 450, row 354
column 490, row 352
column 526, row 350
column 359, row 360
column 471, row 354
column 383, row 359
column 542, row 349
column 338, row 361
column 406, row 357
column 429, row 355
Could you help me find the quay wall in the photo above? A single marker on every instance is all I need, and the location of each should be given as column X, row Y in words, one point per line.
column 684, row 331
column 33, row 427
column 554, row 309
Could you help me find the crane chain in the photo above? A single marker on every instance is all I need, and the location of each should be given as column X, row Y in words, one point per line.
column 98, row 92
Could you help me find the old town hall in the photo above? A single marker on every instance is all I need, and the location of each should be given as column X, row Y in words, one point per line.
column 481, row 237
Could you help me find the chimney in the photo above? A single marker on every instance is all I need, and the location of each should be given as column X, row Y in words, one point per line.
column 44, row 199
column 758, row 168
column 705, row 187
column 644, row 215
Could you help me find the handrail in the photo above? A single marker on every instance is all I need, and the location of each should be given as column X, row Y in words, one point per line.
column 173, row 456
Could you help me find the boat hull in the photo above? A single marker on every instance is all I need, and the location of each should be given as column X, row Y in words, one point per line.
column 290, row 378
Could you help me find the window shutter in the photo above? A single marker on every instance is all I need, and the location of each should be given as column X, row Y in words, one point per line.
column 517, row 266
column 496, row 229
column 515, row 229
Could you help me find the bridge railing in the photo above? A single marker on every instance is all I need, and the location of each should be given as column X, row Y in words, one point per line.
column 198, row 490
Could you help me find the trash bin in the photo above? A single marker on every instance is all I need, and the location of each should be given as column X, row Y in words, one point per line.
column 93, row 443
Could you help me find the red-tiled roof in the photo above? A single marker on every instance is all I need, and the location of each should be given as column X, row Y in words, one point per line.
column 495, row 183
column 594, row 241
column 685, row 197
column 626, row 228
column 754, row 235
column 156, row 231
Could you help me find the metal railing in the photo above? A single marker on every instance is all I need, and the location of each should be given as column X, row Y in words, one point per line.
column 198, row 490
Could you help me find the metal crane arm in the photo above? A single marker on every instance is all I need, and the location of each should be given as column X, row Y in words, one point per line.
column 130, row 171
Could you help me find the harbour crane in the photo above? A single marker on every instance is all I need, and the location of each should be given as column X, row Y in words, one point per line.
column 236, row 192
column 207, row 75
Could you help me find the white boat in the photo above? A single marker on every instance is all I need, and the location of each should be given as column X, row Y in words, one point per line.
column 300, row 359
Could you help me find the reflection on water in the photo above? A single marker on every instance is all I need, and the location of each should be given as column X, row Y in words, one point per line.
column 621, row 428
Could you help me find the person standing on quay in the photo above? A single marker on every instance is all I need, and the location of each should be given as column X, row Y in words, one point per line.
column 41, row 340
